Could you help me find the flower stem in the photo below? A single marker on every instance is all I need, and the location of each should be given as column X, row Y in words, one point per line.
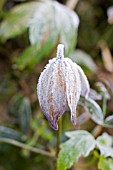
column 27, row 147
column 104, row 105
column 97, row 130
column 59, row 135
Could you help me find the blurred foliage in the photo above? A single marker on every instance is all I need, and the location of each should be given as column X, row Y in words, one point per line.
column 79, row 144
column 29, row 34
column 105, row 164
column 82, row 143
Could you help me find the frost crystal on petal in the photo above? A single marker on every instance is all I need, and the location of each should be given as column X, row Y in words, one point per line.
column 73, row 87
column 85, row 88
column 59, row 86
column 52, row 90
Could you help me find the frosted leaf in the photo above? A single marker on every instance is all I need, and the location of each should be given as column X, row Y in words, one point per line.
column 59, row 86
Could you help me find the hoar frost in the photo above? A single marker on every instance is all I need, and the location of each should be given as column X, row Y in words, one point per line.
column 60, row 86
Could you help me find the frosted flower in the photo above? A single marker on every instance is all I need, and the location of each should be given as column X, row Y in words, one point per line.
column 60, row 86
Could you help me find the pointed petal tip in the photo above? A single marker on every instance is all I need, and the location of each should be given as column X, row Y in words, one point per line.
column 73, row 120
column 53, row 122
column 54, row 126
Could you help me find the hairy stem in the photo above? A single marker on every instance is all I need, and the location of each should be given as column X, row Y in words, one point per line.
column 27, row 147
column 59, row 134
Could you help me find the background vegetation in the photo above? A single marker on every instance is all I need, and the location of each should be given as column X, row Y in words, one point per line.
column 29, row 34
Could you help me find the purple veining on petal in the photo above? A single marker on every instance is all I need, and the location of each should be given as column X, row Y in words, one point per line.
column 73, row 88
column 59, row 86
column 52, row 121
column 55, row 119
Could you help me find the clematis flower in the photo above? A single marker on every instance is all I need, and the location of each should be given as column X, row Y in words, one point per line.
column 60, row 86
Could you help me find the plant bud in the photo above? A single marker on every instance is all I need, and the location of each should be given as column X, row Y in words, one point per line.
column 60, row 86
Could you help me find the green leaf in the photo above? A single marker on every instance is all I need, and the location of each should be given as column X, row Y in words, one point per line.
column 108, row 122
column 104, row 143
column 43, row 36
column 42, row 24
column 25, row 114
column 105, row 164
column 81, row 143
column 45, row 29
column 7, row 132
column 66, row 18
column 15, row 104
column 82, row 58
column 34, row 53
column 51, row 17
column 46, row 21
column 20, row 107
column 93, row 109
column 16, row 21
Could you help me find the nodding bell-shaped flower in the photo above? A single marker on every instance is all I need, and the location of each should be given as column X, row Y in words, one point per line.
column 60, row 85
